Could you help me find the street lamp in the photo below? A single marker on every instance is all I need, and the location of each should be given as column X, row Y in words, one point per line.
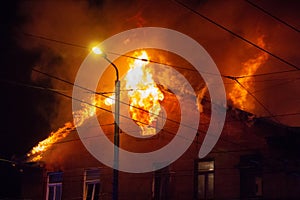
column 98, row 51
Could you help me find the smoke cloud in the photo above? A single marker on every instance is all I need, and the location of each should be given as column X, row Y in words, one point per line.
column 89, row 22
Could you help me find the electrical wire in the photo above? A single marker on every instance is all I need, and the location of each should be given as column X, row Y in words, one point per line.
column 269, row 73
column 256, row 99
column 57, row 91
column 273, row 16
column 152, row 61
column 164, row 130
column 33, row 86
column 224, row 76
column 103, row 94
column 282, row 115
column 285, row 82
column 235, row 34
column 53, row 40
column 54, row 90
column 98, row 107
column 100, row 93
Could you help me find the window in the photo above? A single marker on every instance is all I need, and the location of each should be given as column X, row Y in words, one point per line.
column 160, row 186
column 54, row 186
column 204, row 180
column 91, row 185
column 251, row 176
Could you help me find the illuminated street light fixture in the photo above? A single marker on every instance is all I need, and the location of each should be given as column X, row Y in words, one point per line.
column 98, row 51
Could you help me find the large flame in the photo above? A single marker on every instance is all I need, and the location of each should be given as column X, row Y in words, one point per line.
column 36, row 153
column 144, row 95
column 239, row 95
column 88, row 110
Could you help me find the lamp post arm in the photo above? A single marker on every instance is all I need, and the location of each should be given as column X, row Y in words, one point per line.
column 117, row 71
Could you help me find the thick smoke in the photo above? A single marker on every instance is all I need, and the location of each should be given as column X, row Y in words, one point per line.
column 87, row 22
column 76, row 22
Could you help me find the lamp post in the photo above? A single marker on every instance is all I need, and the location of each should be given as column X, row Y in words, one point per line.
column 96, row 50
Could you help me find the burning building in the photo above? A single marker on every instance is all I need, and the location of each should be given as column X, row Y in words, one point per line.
column 248, row 162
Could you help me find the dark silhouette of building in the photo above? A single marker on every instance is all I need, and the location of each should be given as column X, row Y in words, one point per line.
column 254, row 159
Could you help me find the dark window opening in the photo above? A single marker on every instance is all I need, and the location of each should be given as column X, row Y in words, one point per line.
column 161, row 181
column 54, row 186
column 92, row 184
column 251, row 182
column 204, row 179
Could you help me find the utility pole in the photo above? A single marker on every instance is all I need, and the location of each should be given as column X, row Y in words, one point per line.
column 116, row 141
column 97, row 50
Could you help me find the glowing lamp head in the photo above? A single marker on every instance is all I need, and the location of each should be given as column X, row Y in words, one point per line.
column 97, row 50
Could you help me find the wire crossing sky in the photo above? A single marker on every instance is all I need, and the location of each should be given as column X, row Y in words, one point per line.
column 55, row 36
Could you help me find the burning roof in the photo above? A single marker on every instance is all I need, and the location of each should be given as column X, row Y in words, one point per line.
column 145, row 99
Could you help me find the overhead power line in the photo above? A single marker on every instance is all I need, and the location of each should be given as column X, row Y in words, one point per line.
column 53, row 40
column 102, row 94
column 224, row 76
column 273, row 16
column 57, row 91
column 287, row 79
column 282, row 115
column 269, row 73
column 153, row 61
column 258, row 101
column 174, row 121
column 285, row 82
column 235, row 34
column 32, row 86
column 65, row 95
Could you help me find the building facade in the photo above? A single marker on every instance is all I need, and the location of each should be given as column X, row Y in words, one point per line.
column 253, row 159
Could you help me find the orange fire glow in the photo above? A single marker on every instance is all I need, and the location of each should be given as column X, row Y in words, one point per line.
column 239, row 95
column 88, row 110
column 144, row 95
column 37, row 152
column 80, row 117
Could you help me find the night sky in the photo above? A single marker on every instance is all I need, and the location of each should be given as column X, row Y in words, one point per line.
column 29, row 114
